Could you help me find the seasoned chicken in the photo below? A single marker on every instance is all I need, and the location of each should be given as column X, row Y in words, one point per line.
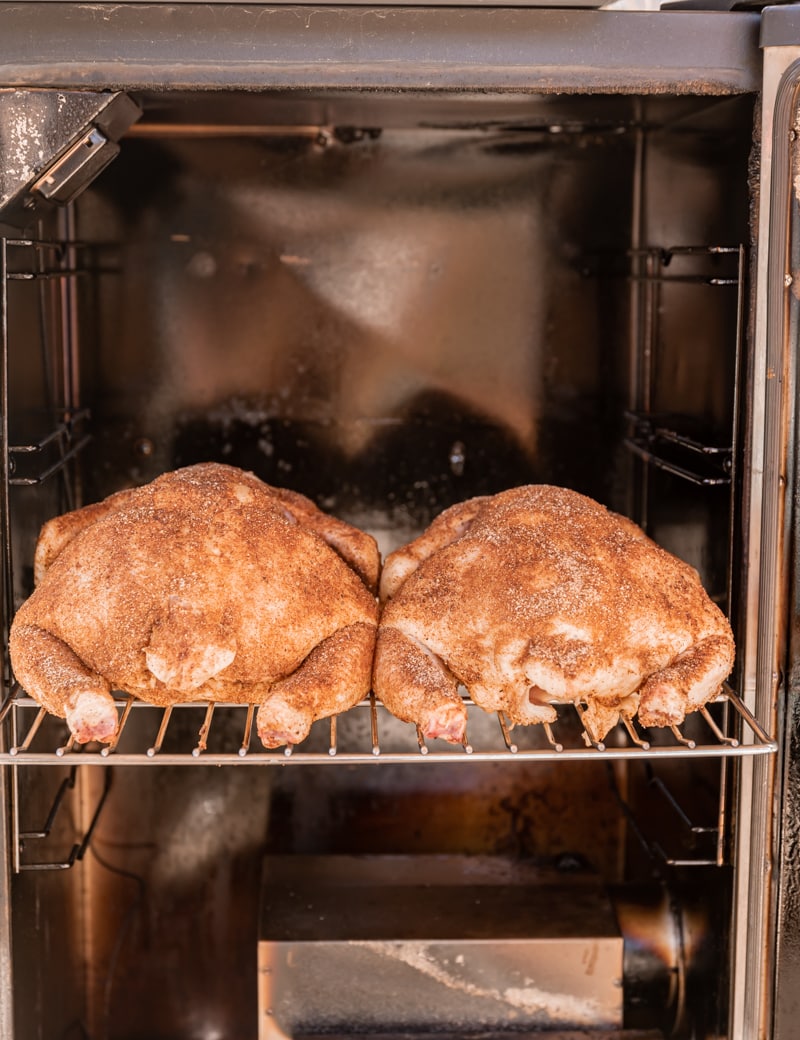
column 539, row 595
column 206, row 584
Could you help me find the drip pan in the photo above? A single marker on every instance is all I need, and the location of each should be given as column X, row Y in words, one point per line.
column 433, row 944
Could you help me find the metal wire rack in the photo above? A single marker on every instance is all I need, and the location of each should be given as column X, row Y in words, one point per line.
column 219, row 734
column 37, row 461
column 36, row 837
column 659, row 440
column 654, row 440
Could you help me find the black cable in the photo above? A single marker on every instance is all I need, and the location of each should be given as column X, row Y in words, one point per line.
column 122, row 934
column 633, row 823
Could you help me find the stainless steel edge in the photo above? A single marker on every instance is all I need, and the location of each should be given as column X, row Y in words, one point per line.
column 784, row 65
column 765, row 585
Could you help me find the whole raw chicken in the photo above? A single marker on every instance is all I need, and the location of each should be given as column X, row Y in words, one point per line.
column 206, row 584
column 539, row 595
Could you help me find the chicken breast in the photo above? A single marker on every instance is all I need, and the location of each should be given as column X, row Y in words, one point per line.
column 206, row 584
column 540, row 595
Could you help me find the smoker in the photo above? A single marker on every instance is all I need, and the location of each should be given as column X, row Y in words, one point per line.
column 393, row 257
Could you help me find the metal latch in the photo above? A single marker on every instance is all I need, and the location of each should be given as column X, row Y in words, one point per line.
column 77, row 167
column 53, row 143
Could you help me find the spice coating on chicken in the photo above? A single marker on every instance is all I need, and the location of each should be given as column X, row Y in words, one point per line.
column 206, row 584
column 540, row 595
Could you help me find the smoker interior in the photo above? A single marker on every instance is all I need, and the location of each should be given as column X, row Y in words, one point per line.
column 390, row 303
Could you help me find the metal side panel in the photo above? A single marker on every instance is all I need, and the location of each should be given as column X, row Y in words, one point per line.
column 781, row 38
column 759, row 995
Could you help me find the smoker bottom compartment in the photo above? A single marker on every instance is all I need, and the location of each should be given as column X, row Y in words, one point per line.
column 449, row 945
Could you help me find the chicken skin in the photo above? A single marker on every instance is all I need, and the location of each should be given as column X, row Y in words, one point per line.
column 206, row 584
column 540, row 595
